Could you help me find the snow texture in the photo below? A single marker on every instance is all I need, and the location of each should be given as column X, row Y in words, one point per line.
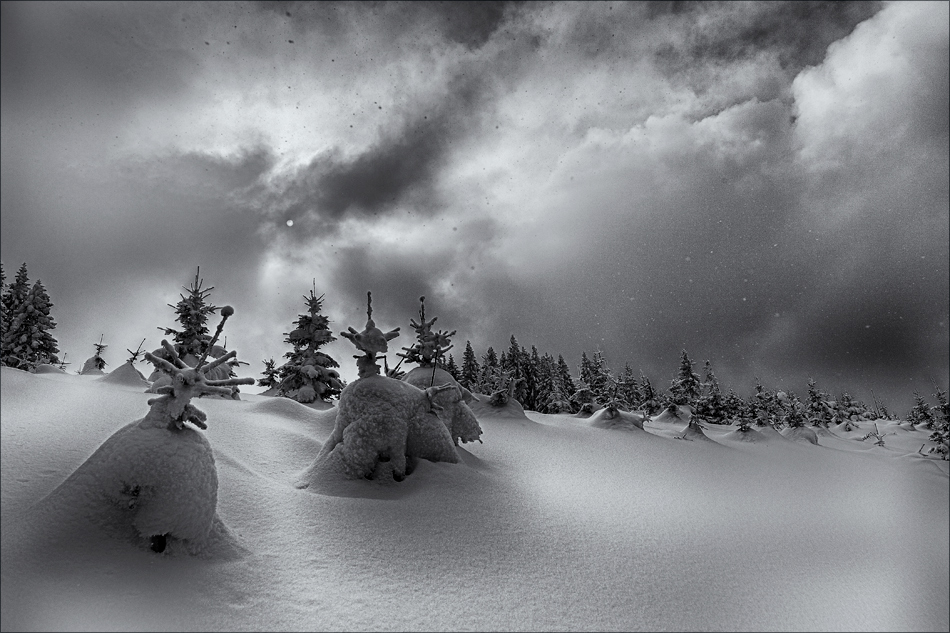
column 383, row 426
column 801, row 434
column 615, row 419
column 46, row 368
column 549, row 525
column 511, row 410
column 455, row 414
column 128, row 375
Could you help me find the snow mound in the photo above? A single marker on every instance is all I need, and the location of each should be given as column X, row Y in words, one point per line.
column 511, row 410
column 673, row 416
column 801, row 434
column 383, row 427
column 770, row 433
column 458, row 418
column 89, row 367
column 750, row 435
column 694, row 432
column 147, row 481
column 48, row 369
column 127, row 374
column 290, row 409
column 610, row 419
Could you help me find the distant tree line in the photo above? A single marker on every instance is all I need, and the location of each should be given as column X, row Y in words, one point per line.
column 539, row 381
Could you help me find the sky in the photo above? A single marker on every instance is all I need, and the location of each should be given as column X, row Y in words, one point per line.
column 763, row 185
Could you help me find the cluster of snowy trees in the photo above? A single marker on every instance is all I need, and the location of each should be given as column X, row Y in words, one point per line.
column 539, row 381
column 25, row 323
column 546, row 385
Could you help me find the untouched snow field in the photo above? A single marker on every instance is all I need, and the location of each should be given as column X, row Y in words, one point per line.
column 554, row 523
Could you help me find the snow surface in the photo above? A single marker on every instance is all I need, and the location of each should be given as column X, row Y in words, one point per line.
column 551, row 524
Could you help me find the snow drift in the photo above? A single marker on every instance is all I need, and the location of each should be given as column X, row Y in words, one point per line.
column 549, row 525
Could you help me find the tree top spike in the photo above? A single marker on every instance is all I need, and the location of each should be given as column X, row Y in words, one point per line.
column 369, row 304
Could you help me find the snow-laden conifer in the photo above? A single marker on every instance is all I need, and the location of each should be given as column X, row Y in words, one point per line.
column 192, row 339
column 309, row 374
column 95, row 364
column 470, row 368
column 28, row 341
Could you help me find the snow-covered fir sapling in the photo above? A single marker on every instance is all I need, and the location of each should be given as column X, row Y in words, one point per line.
column 371, row 341
column 430, row 346
column 308, row 375
column 95, row 363
column 427, row 351
column 383, row 425
column 269, row 377
column 173, row 408
column 877, row 435
column 138, row 352
column 193, row 341
column 920, row 415
column 159, row 472
column 504, row 389
column 941, row 424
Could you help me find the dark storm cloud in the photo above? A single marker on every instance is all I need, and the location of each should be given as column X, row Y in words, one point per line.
column 797, row 33
column 400, row 169
column 469, row 23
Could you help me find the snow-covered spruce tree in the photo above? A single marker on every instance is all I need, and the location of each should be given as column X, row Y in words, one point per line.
column 308, row 374
column 583, row 399
column 851, row 409
column 27, row 341
column 14, row 294
column 733, row 406
column 470, row 368
column 515, row 363
column 95, row 363
column 709, row 406
column 532, row 365
column 920, row 415
column 628, row 388
column 567, row 382
column 793, row 411
column 451, row 367
column 451, row 401
column 651, row 402
column 3, row 307
column 192, row 340
column 269, row 377
column 816, row 409
column 552, row 390
column 941, row 424
column 765, row 404
column 489, row 371
column 686, row 387
column 430, row 346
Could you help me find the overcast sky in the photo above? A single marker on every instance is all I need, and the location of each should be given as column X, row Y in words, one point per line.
column 764, row 185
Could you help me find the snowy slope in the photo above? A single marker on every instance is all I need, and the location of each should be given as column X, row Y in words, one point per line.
column 554, row 524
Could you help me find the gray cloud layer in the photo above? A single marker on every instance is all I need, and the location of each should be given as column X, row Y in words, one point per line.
column 761, row 184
